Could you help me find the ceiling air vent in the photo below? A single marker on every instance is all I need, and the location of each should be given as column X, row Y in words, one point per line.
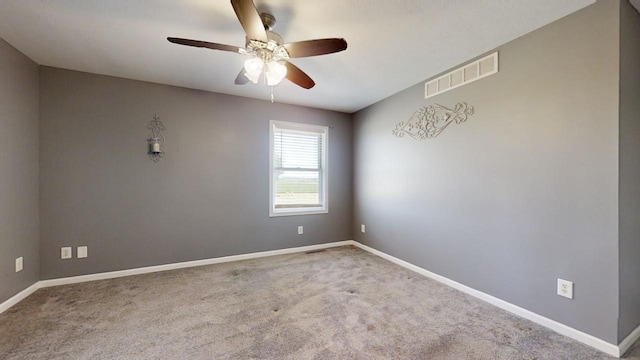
column 463, row 75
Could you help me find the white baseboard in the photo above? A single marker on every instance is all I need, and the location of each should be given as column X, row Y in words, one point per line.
column 149, row 269
column 629, row 340
column 187, row 264
column 565, row 330
column 19, row 297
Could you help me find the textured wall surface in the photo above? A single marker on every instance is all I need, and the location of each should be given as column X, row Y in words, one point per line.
column 19, row 98
column 524, row 192
column 207, row 198
column 629, row 169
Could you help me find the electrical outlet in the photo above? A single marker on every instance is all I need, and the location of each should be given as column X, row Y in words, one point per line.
column 565, row 288
column 300, row 230
column 19, row 262
column 362, row 228
column 82, row 252
column 65, row 253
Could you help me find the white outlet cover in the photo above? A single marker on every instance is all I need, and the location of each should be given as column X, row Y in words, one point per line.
column 300, row 230
column 362, row 228
column 19, row 263
column 82, row 252
column 65, row 252
column 565, row 288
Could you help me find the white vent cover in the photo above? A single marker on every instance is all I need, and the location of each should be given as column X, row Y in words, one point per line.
column 463, row 75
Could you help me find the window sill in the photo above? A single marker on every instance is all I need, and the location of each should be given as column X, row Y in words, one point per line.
column 295, row 212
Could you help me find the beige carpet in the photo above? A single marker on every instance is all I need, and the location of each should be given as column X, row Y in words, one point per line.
column 342, row 303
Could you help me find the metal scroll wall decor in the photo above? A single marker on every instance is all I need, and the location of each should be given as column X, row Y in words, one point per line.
column 156, row 140
column 429, row 121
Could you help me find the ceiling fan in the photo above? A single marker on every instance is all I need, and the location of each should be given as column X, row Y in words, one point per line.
column 267, row 53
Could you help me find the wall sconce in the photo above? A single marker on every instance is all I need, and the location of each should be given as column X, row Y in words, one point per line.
column 156, row 140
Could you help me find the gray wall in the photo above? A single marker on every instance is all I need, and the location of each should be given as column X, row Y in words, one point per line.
column 207, row 198
column 524, row 192
column 629, row 169
column 19, row 98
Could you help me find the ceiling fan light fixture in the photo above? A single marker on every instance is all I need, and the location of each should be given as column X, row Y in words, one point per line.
column 253, row 68
column 267, row 51
column 275, row 72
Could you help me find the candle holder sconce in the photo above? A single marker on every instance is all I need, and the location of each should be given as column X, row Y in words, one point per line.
column 156, row 140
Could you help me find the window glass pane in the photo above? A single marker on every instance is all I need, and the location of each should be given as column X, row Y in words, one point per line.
column 297, row 189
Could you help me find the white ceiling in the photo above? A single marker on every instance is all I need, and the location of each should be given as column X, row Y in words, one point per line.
column 393, row 44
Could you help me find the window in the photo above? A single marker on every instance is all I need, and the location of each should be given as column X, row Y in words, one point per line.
column 298, row 175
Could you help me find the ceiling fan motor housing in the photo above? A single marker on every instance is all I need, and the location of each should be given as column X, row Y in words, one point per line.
column 272, row 49
column 272, row 36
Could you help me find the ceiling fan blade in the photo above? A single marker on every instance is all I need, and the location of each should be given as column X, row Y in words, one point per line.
column 315, row 47
column 241, row 79
column 204, row 44
column 250, row 19
column 298, row 77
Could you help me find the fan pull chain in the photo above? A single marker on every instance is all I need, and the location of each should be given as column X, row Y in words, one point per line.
column 272, row 98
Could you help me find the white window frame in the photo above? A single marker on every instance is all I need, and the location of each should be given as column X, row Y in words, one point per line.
column 324, row 178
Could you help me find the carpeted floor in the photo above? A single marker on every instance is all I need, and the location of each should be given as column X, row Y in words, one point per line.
column 341, row 303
